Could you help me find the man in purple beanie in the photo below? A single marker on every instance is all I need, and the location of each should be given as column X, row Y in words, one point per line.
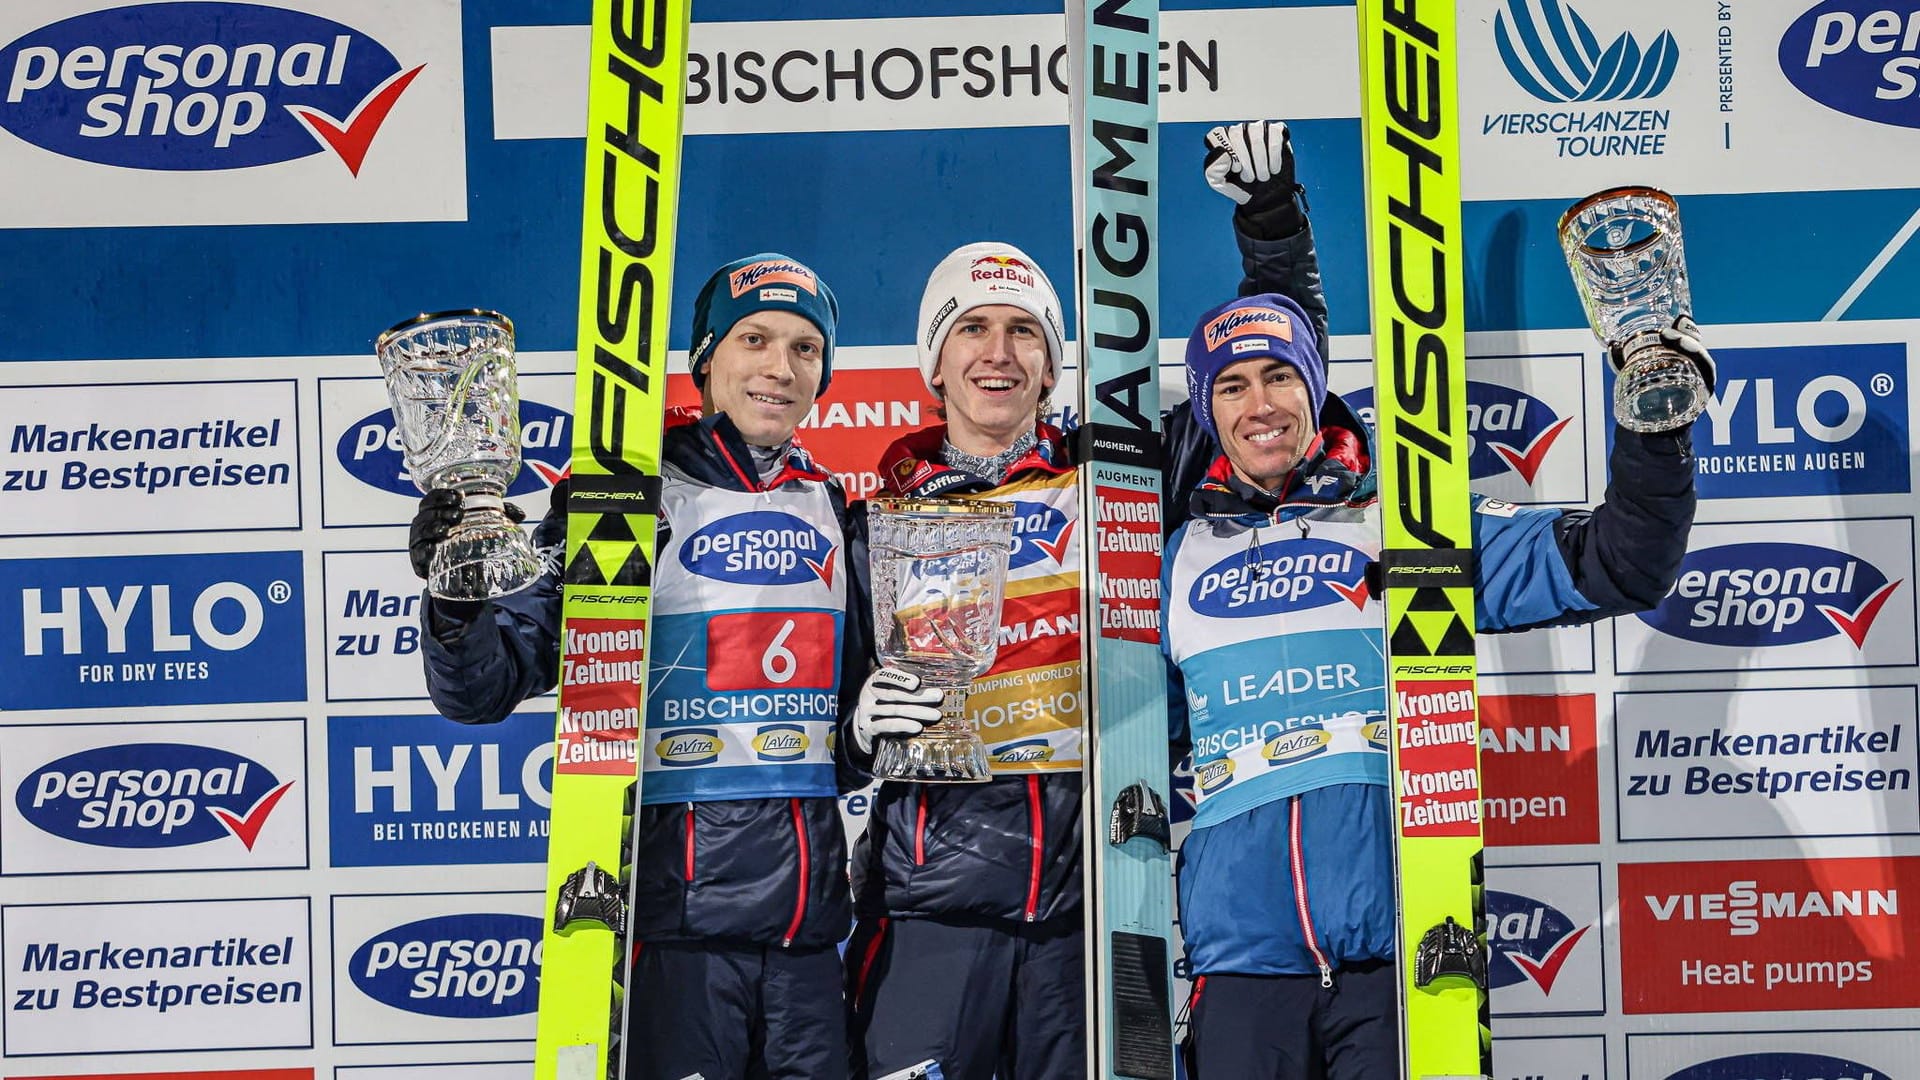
column 1276, row 639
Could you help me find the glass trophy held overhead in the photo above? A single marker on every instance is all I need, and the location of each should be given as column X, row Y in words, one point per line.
column 1629, row 267
column 939, row 575
column 450, row 378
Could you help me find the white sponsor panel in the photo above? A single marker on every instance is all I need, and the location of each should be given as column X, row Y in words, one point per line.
column 1546, row 941
column 1561, row 650
column 903, row 74
column 298, row 111
column 363, row 475
column 1571, row 1057
column 492, row 1070
column 1710, row 101
column 1777, row 595
column 187, row 975
column 109, row 798
column 1829, row 761
column 149, row 457
column 373, row 626
column 436, row 967
column 1852, row 1052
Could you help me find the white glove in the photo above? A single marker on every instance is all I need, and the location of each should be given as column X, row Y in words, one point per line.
column 1684, row 336
column 1251, row 162
column 893, row 703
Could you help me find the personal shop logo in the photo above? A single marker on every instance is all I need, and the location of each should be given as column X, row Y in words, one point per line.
column 1274, row 579
column 481, row 965
column 372, row 453
column 760, row 547
column 1780, row 1066
column 151, row 795
column 1528, row 940
column 1554, row 56
column 1039, row 532
column 1511, row 430
column 199, row 86
column 1859, row 57
column 1770, row 593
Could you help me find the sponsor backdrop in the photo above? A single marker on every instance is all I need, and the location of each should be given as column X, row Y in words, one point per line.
column 235, row 839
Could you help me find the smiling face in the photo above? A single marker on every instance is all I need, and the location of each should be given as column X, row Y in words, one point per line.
column 764, row 375
column 993, row 374
column 1264, row 416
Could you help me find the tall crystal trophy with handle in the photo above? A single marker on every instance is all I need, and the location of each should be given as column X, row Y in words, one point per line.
column 1623, row 246
column 939, row 574
column 450, row 377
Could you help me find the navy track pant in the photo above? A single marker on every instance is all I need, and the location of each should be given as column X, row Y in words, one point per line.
column 1289, row 1027
column 735, row 1012
column 935, row 999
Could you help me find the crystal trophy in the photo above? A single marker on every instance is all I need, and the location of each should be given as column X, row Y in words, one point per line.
column 1623, row 246
column 450, row 377
column 939, row 574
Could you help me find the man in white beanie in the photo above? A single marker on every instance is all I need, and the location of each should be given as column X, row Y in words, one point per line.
column 967, row 962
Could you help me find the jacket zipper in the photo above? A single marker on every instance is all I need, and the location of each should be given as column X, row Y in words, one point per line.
column 800, row 902
column 920, row 829
column 689, row 843
column 1299, row 864
column 1039, row 833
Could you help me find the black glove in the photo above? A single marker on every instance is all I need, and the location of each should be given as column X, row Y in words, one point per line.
column 439, row 512
column 1252, row 164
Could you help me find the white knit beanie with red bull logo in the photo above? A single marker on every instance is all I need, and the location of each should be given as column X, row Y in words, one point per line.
column 979, row 275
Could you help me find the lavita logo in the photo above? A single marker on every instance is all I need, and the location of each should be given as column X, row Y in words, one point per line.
column 476, row 965
column 1779, row 1066
column 683, row 747
column 781, row 742
column 760, row 547
column 1039, row 532
column 1273, row 579
column 371, row 451
column 151, row 795
column 1508, row 429
column 1529, row 940
column 1859, row 57
column 1552, row 53
column 1760, row 594
column 199, row 86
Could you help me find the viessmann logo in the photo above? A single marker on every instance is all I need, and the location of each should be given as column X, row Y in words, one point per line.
column 1552, row 53
column 199, row 86
column 151, row 795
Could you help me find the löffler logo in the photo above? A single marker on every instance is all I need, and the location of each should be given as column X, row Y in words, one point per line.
column 1553, row 55
column 201, row 85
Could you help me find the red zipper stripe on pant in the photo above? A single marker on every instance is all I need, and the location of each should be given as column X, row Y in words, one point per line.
column 800, row 902
column 867, row 958
column 1039, row 844
column 920, row 830
column 1299, row 864
column 689, row 841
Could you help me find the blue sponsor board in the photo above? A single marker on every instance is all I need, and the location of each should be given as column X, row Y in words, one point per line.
column 422, row 790
column 1781, row 1066
column 127, row 631
column 1805, row 420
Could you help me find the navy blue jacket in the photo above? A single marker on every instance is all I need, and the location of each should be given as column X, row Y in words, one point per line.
column 767, row 871
column 1008, row 849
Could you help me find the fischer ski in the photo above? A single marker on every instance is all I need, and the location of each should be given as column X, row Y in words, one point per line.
column 1410, row 117
column 1128, row 871
column 636, row 95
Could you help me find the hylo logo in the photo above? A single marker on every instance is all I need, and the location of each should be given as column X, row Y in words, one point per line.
column 371, row 451
column 1553, row 55
column 483, row 966
column 1761, row 594
column 199, row 86
column 1859, row 57
column 1529, row 940
column 151, row 795
column 761, row 547
column 212, row 621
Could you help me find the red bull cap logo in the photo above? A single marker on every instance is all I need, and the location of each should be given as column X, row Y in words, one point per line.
column 1004, row 268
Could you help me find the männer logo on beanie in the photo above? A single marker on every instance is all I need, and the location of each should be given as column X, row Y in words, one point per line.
column 770, row 272
column 1243, row 321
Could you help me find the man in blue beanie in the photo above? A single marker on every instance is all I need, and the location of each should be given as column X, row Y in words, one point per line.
column 1276, row 638
column 740, row 857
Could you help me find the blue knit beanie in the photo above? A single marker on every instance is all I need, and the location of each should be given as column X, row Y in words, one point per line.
column 765, row 282
column 1267, row 325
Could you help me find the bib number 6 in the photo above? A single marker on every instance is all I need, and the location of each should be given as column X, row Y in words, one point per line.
column 778, row 663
